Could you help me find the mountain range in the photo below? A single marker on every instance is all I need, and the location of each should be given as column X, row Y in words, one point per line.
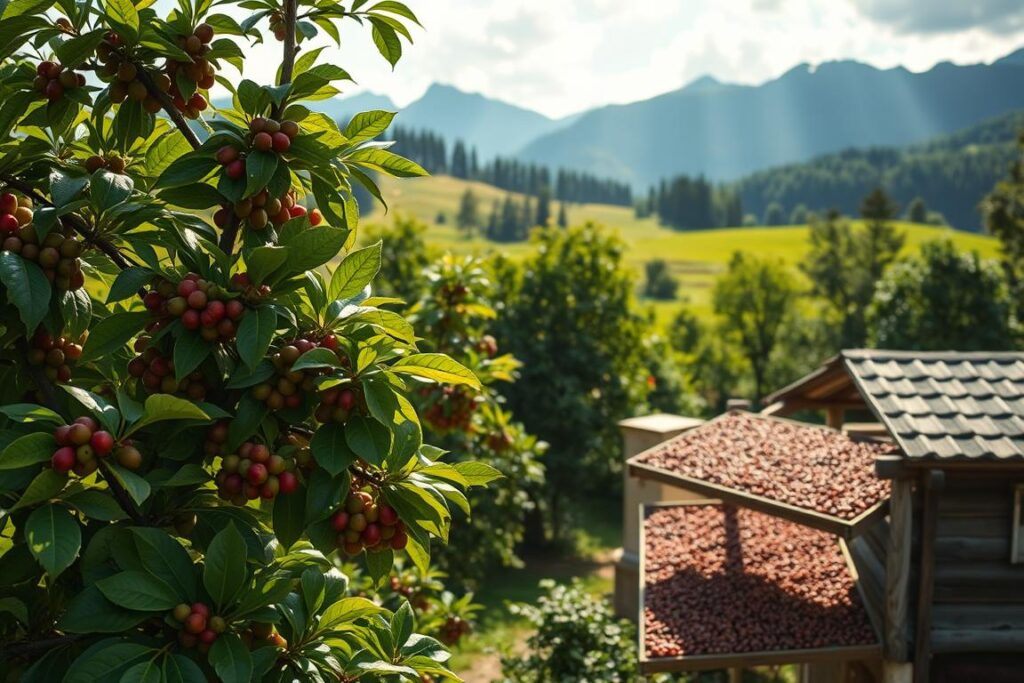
column 723, row 130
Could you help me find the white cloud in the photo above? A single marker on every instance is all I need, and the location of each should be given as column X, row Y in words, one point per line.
column 565, row 56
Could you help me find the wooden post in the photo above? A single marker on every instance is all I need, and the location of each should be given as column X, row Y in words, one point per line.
column 897, row 571
column 834, row 416
column 933, row 483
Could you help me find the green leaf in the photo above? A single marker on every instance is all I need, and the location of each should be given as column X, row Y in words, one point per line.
column 186, row 170
column 477, row 473
column 181, row 669
column 64, row 189
column 314, row 247
column 109, row 189
column 263, row 261
column 107, row 414
column 27, row 288
column 402, row 623
column 45, row 486
column 387, row 41
column 190, row 350
column 16, row 608
column 355, row 272
column 124, row 18
column 166, row 150
column 106, row 664
column 166, row 407
column 76, row 309
column 139, row 591
column 289, row 517
column 378, row 565
column 255, row 333
column 28, row 450
column 112, row 333
column 165, row 558
column 346, row 611
column 54, row 538
column 368, row 439
column 137, row 487
column 247, row 420
column 368, row 125
column 231, row 659
column 386, row 162
column 30, row 412
column 225, row 573
column 437, row 367
column 149, row 671
column 259, row 169
column 128, row 283
column 317, row 358
column 96, row 504
column 90, row 612
column 330, row 450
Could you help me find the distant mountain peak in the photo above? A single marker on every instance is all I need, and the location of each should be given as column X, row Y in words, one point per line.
column 705, row 82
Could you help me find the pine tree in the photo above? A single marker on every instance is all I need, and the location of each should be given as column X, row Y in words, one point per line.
column 468, row 219
column 563, row 216
column 543, row 207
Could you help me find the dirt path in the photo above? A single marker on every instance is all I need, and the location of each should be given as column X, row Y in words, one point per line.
column 486, row 666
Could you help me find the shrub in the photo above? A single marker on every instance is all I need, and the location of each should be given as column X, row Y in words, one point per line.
column 199, row 414
column 577, row 638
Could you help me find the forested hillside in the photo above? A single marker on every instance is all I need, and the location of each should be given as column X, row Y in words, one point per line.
column 950, row 173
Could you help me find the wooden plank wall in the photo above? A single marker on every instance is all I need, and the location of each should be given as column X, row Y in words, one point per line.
column 979, row 595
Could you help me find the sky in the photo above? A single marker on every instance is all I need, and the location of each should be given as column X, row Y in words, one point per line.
column 559, row 57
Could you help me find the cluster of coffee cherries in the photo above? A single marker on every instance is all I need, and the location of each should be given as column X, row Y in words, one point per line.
column 53, row 80
column 261, row 210
column 453, row 629
column 260, row 634
column 242, row 283
column 286, row 387
column 448, row 408
column 55, row 355
column 198, row 628
column 366, row 523
column 81, row 443
column 58, row 255
column 277, row 25
column 336, row 404
column 254, row 472
column 487, row 345
column 15, row 212
column 156, row 372
column 115, row 163
column 199, row 70
column 200, row 304
column 123, row 76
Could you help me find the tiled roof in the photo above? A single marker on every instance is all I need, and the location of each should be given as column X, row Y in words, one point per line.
column 947, row 405
column 720, row 580
column 804, row 466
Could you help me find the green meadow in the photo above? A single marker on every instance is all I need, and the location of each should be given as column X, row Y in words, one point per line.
column 695, row 257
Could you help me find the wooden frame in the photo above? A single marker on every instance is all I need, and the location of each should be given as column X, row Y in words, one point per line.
column 811, row 518
column 654, row 665
column 846, row 528
column 1017, row 545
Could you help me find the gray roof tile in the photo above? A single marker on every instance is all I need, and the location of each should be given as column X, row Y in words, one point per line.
column 945, row 404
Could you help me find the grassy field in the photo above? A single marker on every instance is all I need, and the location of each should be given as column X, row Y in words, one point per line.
column 696, row 257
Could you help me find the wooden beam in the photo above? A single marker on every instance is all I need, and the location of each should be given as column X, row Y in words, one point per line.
column 891, row 467
column 897, row 572
column 933, row 484
column 747, row 660
column 978, row 640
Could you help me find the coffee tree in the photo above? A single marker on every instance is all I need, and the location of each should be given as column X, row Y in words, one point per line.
column 453, row 316
column 204, row 409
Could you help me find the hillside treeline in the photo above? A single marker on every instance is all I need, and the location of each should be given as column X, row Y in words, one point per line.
column 431, row 151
